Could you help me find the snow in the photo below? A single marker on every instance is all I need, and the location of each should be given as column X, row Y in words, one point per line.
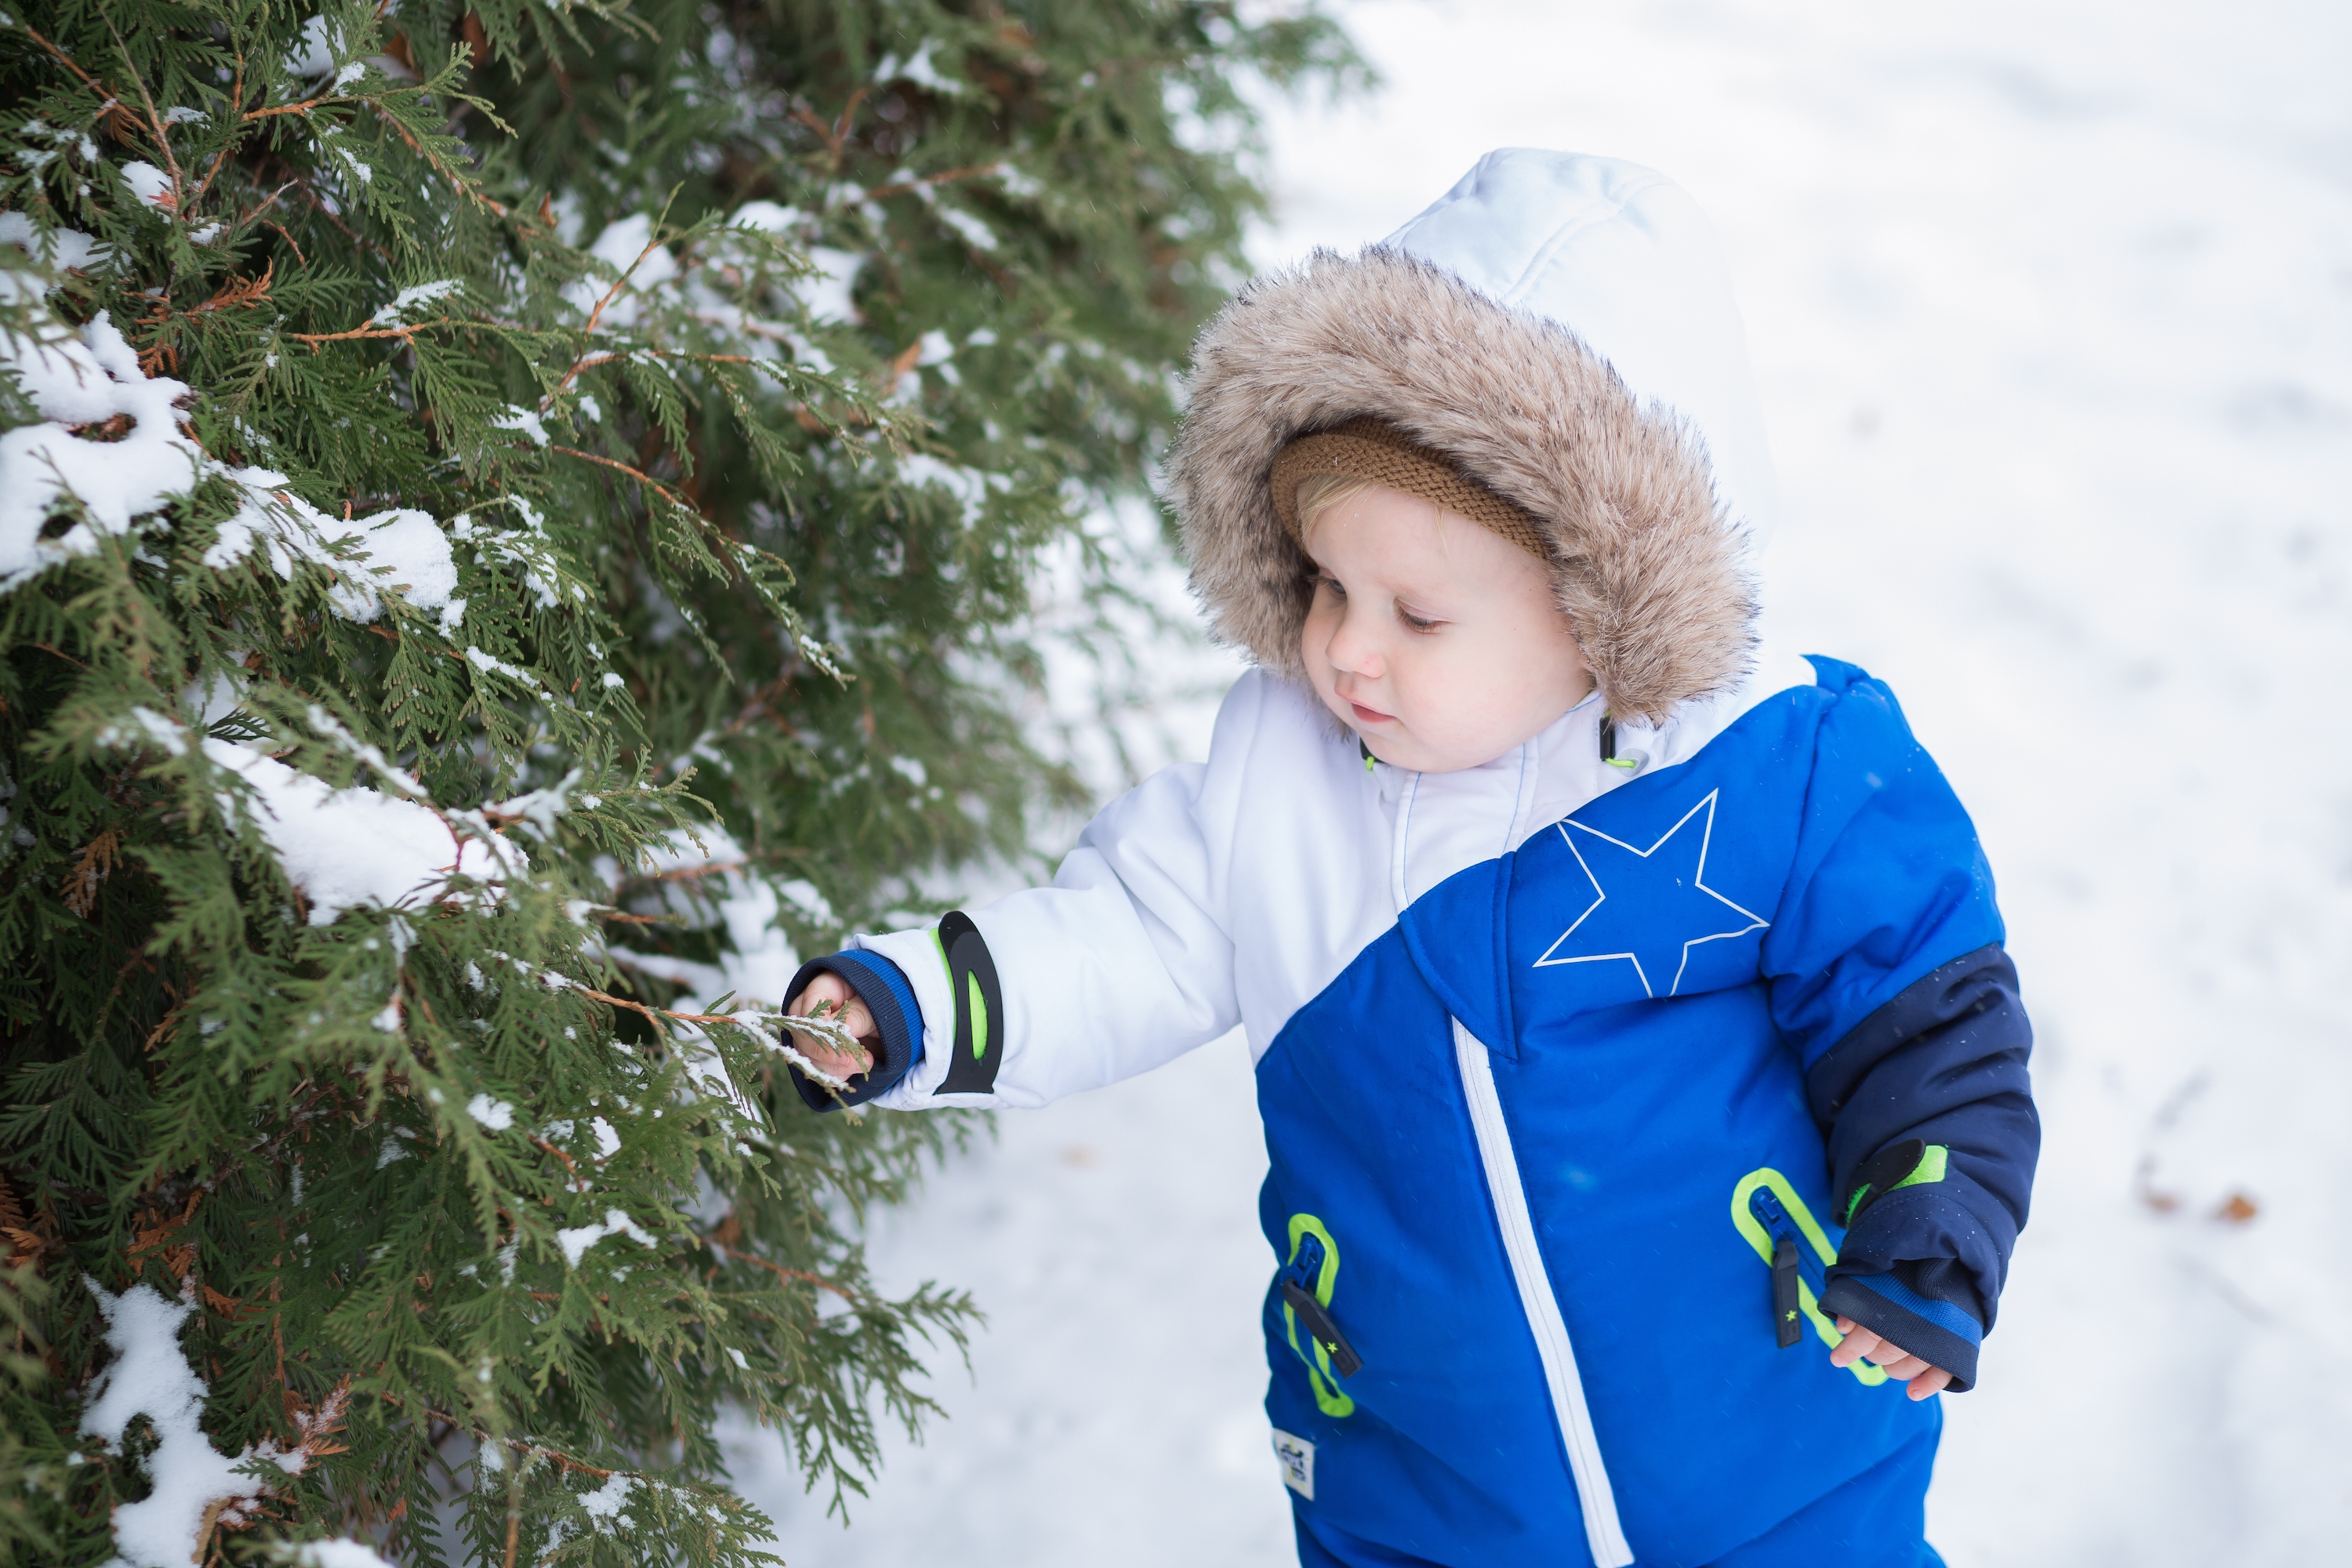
column 576, row 1240
column 347, row 848
column 335, row 1555
column 606, row 1503
column 94, row 377
column 495, row 1115
column 768, row 218
column 920, row 70
column 624, row 247
column 490, row 664
column 523, row 420
column 148, row 1376
column 536, row 810
column 65, row 248
column 155, row 726
column 315, row 54
column 150, row 185
column 410, row 298
column 81, row 381
column 401, row 550
column 969, row 486
column 826, row 294
column 976, row 234
column 527, row 548
column 2048, row 304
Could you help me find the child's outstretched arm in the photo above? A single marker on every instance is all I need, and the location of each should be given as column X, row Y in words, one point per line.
column 1124, row 964
column 1889, row 977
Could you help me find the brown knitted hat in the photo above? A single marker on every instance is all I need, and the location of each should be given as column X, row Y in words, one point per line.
column 1376, row 450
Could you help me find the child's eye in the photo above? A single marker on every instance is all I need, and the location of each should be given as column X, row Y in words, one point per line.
column 1416, row 623
column 1325, row 580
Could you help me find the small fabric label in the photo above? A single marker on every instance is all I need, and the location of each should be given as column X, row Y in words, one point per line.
column 1297, row 1457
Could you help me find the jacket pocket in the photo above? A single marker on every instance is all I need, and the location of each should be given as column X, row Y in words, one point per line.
column 1766, row 1210
column 1307, row 1280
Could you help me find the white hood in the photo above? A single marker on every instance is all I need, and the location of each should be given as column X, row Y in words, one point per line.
column 1621, row 256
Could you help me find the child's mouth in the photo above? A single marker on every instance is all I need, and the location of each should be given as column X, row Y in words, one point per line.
column 1371, row 715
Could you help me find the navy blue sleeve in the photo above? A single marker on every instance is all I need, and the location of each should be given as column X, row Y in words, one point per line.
column 880, row 984
column 1887, row 976
column 1933, row 1139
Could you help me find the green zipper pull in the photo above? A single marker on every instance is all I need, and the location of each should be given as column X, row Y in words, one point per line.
column 1784, row 1291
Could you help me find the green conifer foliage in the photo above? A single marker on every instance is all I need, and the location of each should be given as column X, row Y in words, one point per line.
column 513, row 522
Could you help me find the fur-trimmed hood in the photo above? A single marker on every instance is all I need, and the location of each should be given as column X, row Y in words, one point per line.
column 1560, row 327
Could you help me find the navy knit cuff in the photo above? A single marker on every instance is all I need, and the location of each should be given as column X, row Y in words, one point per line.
column 884, row 989
column 1936, row 1332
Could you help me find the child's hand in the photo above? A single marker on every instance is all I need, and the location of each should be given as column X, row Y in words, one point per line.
column 1898, row 1361
column 830, row 997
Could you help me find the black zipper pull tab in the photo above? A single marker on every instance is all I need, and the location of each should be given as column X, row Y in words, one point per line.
column 1784, row 1291
column 1318, row 1324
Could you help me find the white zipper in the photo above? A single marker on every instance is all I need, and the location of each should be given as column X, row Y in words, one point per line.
column 1603, row 1534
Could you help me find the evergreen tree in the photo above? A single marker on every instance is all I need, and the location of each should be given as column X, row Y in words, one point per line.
column 513, row 521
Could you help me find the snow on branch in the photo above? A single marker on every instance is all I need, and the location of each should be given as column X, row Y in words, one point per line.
column 111, row 448
column 195, row 1487
column 89, row 382
column 345, row 848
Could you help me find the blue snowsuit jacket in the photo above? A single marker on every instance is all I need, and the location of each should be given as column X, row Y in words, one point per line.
column 1727, row 1051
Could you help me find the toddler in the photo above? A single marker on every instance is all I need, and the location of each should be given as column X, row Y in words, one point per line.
column 1628, row 997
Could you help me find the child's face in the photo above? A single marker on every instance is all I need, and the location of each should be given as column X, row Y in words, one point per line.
column 1432, row 638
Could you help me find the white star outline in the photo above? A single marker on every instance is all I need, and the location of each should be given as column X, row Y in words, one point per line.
column 1600, row 896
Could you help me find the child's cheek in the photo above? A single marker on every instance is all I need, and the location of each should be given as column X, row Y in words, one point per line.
column 1315, row 640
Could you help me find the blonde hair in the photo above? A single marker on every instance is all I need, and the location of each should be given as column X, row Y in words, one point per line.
column 1318, row 493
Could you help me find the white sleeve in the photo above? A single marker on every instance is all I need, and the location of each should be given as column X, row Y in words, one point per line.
column 1125, row 963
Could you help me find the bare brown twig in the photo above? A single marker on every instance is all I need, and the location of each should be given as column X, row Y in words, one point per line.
column 404, row 333
column 794, row 1274
column 155, row 119
column 904, row 187
column 637, row 474
column 836, row 135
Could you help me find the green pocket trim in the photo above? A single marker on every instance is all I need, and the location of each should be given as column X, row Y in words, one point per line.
column 1759, row 1238
column 1330, row 1398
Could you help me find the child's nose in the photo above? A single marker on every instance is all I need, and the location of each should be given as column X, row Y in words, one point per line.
column 1356, row 648
column 1352, row 650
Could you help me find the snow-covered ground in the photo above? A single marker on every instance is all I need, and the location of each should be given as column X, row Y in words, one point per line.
column 2051, row 304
